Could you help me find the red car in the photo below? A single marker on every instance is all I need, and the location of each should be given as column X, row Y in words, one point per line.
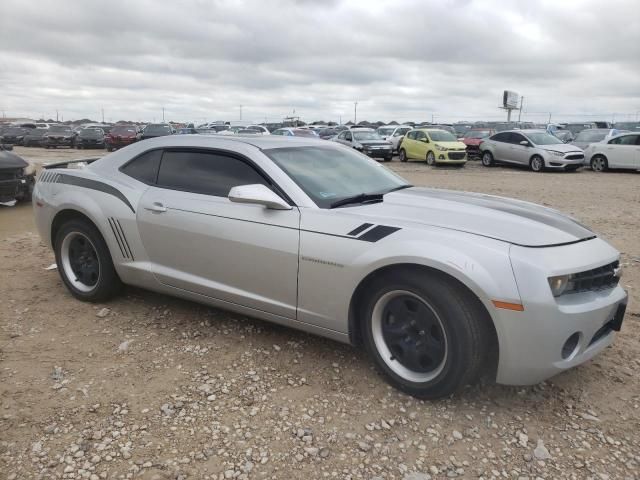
column 474, row 137
column 121, row 136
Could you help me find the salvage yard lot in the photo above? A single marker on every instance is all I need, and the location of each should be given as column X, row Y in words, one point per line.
column 148, row 386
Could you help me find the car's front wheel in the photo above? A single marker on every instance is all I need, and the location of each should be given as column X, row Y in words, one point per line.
column 487, row 159
column 402, row 155
column 425, row 333
column 431, row 159
column 84, row 262
column 599, row 163
column 536, row 163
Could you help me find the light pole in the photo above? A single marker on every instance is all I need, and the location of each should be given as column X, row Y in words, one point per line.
column 355, row 113
column 162, row 114
column 240, row 112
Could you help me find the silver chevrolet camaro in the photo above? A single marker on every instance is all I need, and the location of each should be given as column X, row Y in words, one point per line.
column 439, row 286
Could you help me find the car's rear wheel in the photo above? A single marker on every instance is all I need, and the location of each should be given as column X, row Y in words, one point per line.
column 536, row 163
column 599, row 163
column 431, row 158
column 84, row 262
column 487, row 159
column 425, row 333
column 403, row 155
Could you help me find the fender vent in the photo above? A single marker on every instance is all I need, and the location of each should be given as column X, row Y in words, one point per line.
column 118, row 233
column 48, row 177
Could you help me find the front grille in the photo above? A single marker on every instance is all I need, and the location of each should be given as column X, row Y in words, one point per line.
column 456, row 155
column 600, row 278
column 10, row 174
column 577, row 156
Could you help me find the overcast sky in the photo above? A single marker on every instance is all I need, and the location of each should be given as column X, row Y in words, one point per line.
column 399, row 59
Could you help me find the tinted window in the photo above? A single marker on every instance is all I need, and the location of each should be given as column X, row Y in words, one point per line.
column 501, row 137
column 206, row 173
column 411, row 135
column 421, row 136
column 516, row 138
column 145, row 167
column 347, row 136
column 625, row 140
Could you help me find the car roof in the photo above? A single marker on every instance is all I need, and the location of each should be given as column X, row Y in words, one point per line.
column 263, row 142
column 431, row 129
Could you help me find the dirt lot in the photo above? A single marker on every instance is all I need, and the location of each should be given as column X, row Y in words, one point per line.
column 155, row 388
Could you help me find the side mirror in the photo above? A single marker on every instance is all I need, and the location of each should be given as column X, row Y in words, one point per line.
column 258, row 195
column 524, row 143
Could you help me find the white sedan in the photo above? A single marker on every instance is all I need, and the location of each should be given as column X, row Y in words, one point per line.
column 622, row 151
column 439, row 286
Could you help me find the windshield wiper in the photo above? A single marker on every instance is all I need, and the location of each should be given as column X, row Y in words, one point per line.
column 401, row 187
column 360, row 198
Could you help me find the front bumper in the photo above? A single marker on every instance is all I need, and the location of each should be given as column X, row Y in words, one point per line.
column 378, row 152
column 553, row 161
column 90, row 143
column 119, row 142
column 15, row 188
column 451, row 157
column 58, row 142
column 532, row 341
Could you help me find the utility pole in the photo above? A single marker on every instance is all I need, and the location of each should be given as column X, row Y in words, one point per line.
column 163, row 114
column 355, row 113
column 240, row 112
column 57, row 116
column 102, row 115
column 520, row 112
column 549, row 118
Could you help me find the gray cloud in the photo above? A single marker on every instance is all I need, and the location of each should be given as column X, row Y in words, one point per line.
column 400, row 59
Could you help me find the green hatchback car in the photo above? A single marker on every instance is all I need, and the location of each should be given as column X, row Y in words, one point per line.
column 433, row 146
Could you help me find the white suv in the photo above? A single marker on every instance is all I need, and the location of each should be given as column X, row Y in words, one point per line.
column 394, row 134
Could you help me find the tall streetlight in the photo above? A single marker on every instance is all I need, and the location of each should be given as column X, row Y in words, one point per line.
column 240, row 112
column 162, row 114
column 355, row 113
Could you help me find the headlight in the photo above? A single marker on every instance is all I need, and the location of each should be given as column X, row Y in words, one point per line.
column 441, row 148
column 557, row 154
column 560, row 284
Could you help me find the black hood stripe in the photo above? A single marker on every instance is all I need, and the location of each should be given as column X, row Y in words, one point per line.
column 360, row 229
column 377, row 233
column 94, row 185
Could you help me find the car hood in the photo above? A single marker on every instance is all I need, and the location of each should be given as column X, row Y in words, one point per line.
column 560, row 147
column 9, row 160
column 373, row 142
column 505, row 219
column 452, row 145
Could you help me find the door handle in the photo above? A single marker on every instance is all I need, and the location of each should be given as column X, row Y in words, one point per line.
column 156, row 207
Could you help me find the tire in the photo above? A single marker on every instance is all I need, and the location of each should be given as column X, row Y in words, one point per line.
column 431, row 159
column 403, row 155
column 96, row 279
column 536, row 163
column 443, row 315
column 487, row 159
column 599, row 163
column 572, row 168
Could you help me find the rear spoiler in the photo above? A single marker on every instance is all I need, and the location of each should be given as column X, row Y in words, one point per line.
column 66, row 164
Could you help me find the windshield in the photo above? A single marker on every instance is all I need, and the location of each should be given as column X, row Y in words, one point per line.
column 442, row 136
column 328, row 174
column 385, row 131
column 91, row 132
column 478, row 134
column 366, row 136
column 542, row 138
column 123, row 130
column 59, row 129
column 301, row 132
column 157, row 130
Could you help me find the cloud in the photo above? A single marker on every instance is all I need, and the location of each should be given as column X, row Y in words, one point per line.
column 400, row 59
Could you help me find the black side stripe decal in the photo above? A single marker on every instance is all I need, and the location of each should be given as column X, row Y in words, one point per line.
column 94, row 185
column 360, row 229
column 113, row 229
column 377, row 233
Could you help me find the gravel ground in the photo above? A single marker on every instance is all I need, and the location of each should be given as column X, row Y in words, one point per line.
column 152, row 387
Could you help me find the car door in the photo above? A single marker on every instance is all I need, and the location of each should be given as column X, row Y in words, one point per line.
column 622, row 151
column 409, row 144
column 518, row 153
column 501, row 146
column 421, row 145
column 198, row 240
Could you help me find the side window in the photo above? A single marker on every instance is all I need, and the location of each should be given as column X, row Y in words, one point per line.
column 277, row 132
column 348, row 137
column 625, row 140
column 501, row 137
column 145, row 167
column 205, row 173
column 411, row 135
column 516, row 138
column 342, row 135
column 421, row 136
